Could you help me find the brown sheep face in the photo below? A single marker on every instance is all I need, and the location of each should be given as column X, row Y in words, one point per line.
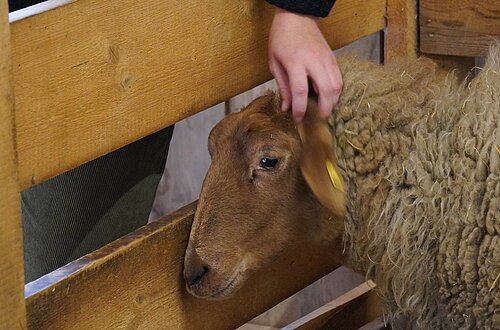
column 254, row 201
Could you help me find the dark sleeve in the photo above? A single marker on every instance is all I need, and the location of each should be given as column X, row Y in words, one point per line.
column 319, row 8
column 20, row 4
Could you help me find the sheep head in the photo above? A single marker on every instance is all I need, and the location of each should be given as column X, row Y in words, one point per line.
column 254, row 202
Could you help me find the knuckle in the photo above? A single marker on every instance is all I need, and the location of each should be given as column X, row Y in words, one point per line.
column 327, row 90
column 300, row 90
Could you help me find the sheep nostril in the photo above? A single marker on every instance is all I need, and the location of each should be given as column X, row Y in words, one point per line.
column 196, row 274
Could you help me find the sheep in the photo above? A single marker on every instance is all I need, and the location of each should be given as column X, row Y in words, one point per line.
column 419, row 156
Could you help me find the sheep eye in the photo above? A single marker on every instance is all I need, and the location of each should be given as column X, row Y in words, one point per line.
column 268, row 162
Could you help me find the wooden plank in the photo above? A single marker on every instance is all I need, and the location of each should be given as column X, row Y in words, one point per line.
column 460, row 28
column 136, row 282
column 401, row 33
column 92, row 76
column 349, row 311
column 12, row 310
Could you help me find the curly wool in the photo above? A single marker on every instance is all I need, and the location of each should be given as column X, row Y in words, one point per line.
column 420, row 155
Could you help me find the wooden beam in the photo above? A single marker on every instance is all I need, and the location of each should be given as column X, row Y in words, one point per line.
column 92, row 76
column 136, row 282
column 401, row 33
column 12, row 310
column 349, row 311
column 460, row 28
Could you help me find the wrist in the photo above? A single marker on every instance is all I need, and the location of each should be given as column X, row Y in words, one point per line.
column 288, row 15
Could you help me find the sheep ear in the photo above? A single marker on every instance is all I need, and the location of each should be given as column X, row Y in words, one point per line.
column 318, row 164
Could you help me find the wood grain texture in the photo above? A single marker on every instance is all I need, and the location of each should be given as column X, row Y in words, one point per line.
column 349, row 311
column 12, row 310
column 460, row 28
column 136, row 283
column 400, row 39
column 92, row 76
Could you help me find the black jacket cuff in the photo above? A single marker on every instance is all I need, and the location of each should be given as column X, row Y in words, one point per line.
column 318, row 8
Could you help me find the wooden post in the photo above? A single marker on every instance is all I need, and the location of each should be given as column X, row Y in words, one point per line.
column 401, row 32
column 12, row 306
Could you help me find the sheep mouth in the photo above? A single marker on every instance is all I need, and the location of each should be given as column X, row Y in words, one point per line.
column 227, row 290
column 222, row 292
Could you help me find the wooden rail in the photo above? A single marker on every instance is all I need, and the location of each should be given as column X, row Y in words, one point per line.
column 461, row 28
column 136, row 282
column 92, row 76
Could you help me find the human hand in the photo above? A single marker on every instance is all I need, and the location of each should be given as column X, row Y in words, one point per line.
column 298, row 51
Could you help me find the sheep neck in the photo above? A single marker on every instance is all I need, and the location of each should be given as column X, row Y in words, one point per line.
column 374, row 128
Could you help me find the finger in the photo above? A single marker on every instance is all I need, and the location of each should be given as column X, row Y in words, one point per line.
column 336, row 77
column 298, row 88
column 323, row 84
column 283, row 84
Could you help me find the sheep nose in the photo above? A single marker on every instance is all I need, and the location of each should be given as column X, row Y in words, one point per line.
column 195, row 274
column 194, row 268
